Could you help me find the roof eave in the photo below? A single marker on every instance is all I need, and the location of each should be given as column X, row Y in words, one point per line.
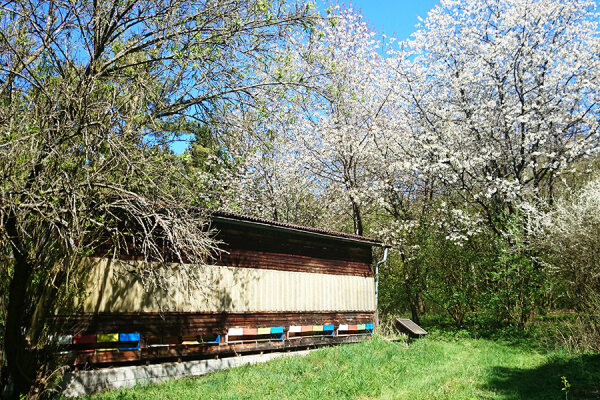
column 363, row 241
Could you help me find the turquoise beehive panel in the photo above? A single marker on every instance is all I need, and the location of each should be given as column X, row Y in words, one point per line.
column 130, row 337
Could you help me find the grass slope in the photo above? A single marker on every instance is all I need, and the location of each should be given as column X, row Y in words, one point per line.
column 432, row 368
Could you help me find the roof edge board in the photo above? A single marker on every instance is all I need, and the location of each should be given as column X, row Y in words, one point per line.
column 298, row 230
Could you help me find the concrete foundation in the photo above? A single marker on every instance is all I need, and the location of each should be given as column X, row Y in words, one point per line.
column 79, row 383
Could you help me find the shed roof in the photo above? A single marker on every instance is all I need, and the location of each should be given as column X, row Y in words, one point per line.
column 277, row 225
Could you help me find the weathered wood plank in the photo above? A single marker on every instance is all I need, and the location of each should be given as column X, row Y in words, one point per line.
column 296, row 263
column 407, row 326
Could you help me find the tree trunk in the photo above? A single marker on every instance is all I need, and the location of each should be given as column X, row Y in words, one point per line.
column 19, row 359
column 357, row 217
column 414, row 311
column 412, row 299
column 421, row 302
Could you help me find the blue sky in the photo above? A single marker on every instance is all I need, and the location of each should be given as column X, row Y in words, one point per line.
column 395, row 18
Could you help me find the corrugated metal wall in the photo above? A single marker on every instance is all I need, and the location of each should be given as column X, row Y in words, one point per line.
column 227, row 289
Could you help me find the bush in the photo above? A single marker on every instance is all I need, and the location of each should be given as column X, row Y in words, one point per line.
column 569, row 245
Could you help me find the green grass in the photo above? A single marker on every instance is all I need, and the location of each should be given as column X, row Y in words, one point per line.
column 442, row 366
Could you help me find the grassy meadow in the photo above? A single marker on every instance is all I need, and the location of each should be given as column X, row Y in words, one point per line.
column 445, row 365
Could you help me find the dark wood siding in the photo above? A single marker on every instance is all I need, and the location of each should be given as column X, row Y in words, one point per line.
column 181, row 324
column 268, row 249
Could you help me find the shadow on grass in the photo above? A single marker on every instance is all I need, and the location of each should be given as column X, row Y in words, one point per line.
column 544, row 382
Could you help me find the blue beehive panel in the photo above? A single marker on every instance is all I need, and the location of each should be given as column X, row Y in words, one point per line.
column 328, row 330
column 130, row 337
column 277, row 330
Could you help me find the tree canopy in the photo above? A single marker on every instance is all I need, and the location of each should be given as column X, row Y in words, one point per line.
column 90, row 95
column 446, row 144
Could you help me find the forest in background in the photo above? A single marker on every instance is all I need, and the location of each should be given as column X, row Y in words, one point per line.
column 471, row 148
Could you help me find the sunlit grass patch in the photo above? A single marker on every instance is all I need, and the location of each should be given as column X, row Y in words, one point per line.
column 438, row 367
